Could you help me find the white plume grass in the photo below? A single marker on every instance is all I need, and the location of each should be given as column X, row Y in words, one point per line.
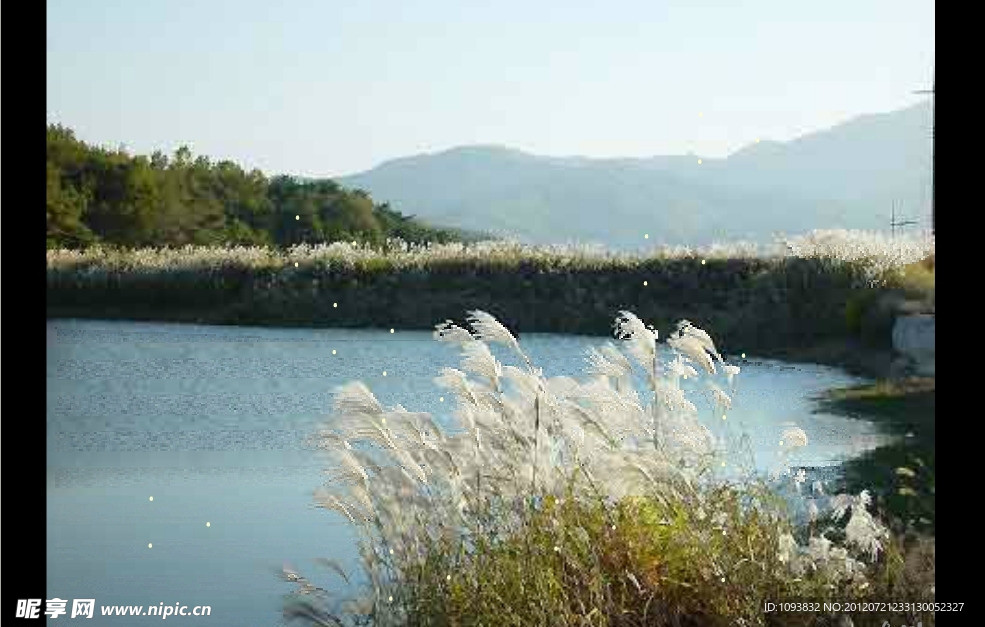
column 518, row 437
column 641, row 340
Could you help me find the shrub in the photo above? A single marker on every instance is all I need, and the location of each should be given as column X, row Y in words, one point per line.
column 553, row 501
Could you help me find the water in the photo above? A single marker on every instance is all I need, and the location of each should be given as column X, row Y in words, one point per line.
column 210, row 422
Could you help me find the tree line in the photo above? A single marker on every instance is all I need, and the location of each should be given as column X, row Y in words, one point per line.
column 109, row 197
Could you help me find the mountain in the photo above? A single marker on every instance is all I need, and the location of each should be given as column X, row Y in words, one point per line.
column 844, row 177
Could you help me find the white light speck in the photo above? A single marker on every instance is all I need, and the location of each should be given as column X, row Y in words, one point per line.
column 699, row 161
column 646, row 236
column 295, row 264
column 333, row 351
column 702, row 262
column 152, row 498
column 150, row 546
column 391, row 330
column 441, row 399
column 297, row 217
column 384, row 373
column 208, row 524
column 335, row 304
column 644, row 283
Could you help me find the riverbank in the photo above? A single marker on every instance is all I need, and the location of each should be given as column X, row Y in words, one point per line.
column 900, row 475
column 799, row 309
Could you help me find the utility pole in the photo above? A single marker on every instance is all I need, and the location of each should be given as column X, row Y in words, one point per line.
column 933, row 153
column 893, row 223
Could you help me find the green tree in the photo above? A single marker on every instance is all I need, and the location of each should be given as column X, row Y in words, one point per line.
column 96, row 194
column 65, row 208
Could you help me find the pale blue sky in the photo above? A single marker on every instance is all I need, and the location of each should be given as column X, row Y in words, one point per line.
column 331, row 88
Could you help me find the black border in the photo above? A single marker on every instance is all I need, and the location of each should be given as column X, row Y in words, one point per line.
column 22, row 262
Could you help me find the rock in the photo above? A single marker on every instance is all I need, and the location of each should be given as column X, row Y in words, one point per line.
column 914, row 340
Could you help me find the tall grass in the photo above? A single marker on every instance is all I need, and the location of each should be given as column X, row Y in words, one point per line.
column 873, row 249
column 592, row 501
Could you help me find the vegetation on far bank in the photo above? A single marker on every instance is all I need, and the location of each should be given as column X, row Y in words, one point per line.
column 564, row 501
column 834, row 290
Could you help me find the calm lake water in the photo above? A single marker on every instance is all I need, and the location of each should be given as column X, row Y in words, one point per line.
column 210, row 422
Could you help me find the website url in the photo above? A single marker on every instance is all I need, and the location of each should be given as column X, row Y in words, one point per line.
column 86, row 608
column 156, row 610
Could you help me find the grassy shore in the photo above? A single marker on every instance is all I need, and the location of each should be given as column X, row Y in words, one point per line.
column 820, row 303
column 900, row 475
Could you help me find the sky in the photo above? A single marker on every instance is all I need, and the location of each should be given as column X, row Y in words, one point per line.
column 332, row 88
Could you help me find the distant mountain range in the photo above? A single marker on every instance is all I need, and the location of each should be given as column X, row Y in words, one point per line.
column 848, row 176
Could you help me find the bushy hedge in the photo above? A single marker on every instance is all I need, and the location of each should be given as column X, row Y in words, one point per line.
column 753, row 303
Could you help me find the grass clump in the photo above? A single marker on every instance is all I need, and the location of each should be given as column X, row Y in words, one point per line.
column 713, row 559
column 556, row 501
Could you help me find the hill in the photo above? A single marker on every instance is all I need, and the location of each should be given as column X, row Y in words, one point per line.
column 844, row 177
